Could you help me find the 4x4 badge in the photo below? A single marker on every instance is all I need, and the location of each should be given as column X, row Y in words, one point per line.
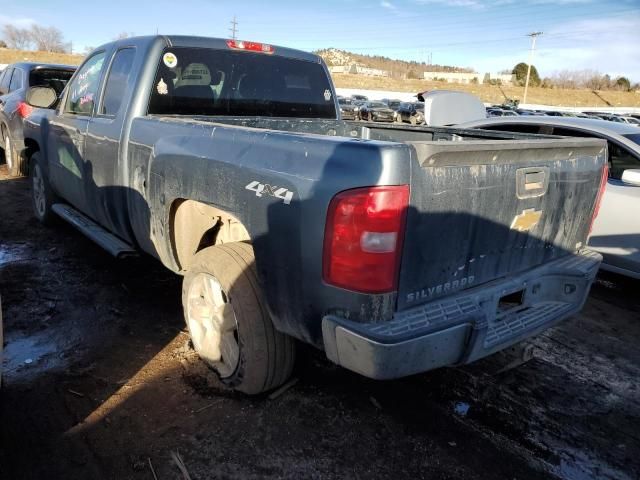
column 271, row 191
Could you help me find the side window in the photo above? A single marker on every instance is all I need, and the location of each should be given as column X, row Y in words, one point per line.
column 16, row 80
column 620, row 159
column 117, row 81
column 83, row 88
column 6, row 78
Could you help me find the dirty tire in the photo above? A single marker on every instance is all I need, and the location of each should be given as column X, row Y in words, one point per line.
column 12, row 159
column 413, row 120
column 266, row 356
column 42, row 196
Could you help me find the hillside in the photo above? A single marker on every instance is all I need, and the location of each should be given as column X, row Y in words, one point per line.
column 12, row 56
column 397, row 68
column 487, row 93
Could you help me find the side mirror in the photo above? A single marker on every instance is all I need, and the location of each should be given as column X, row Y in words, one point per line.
column 631, row 177
column 42, row 97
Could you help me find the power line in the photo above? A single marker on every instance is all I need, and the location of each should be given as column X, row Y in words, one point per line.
column 234, row 28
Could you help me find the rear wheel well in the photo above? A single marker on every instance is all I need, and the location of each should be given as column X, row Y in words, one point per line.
column 195, row 226
column 30, row 147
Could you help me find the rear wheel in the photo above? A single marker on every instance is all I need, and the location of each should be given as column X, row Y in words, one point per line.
column 42, row 196
column 228, row 321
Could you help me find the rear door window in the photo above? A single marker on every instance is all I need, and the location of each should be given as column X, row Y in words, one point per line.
column 16, row 80
column 6, row 79
column 205, row 81
column 117, row 80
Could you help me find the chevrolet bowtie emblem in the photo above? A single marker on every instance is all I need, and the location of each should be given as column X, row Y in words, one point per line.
column 526, row 220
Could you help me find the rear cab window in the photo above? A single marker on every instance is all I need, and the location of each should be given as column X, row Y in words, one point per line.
column 117, row 80
column 55, row 78
column 207, row 81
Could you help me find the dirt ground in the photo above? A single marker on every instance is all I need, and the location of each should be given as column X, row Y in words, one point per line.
column 100, row 383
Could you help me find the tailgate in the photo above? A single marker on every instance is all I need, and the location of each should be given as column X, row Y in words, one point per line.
column 482, row 210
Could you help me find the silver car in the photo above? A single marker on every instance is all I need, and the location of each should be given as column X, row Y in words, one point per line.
column 616, row 231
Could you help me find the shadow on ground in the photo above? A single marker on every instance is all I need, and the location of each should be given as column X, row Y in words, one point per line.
column 100, row 382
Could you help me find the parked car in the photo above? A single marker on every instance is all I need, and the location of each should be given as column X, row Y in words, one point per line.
column 356, row 107
column 616, row 232
column 630, row 120
column 393, row 104
column 411, row 112
column 499, row 112
column 15, row 80
column 347, row 109
column 524, row 111
column 610, row 118
column 376, row 112
column 361, row 98
column 395, row 250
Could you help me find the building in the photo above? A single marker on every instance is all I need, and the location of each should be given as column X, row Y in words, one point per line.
column 358, row 70
column 458, row 77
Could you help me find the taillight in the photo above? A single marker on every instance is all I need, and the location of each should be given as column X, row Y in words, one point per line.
column 363, row 238
column 24, row 109
column 250, row 46
column 603, row 186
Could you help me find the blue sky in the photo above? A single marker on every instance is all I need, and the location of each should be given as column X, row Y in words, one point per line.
column 487, row 35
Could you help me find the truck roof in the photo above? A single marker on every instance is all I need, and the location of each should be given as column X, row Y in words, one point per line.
column 208, row 42
column 38, row 66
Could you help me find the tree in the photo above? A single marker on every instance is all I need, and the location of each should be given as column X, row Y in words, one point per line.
column 3, row 44
column 520, row 71
column 623, row 83
column 47, row 39
column 18, row 38
column 414, row 74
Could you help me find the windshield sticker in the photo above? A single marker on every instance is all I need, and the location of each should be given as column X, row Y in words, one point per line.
column 162, row 87
column 327, row 95
column 170, row 60
column 86, row 99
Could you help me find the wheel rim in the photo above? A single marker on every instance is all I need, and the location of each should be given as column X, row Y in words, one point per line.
column 7, row 151
column 38, row 190
column 212, row 324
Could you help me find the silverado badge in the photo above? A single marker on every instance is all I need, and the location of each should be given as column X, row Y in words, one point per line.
column 528, row 219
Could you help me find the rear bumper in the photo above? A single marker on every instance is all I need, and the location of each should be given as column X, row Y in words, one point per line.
column 465, row 327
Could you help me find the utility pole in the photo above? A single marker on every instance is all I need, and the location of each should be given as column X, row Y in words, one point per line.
column 234, row 28
column 533, row 36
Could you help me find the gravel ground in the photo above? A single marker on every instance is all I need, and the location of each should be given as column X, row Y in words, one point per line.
column 100, row 382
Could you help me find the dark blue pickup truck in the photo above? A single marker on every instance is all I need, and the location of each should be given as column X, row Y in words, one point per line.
column 396, row 249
